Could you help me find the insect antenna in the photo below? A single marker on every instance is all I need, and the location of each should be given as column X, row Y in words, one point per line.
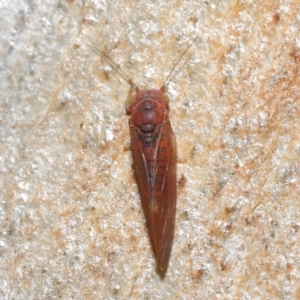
column 117, row 68
column 167, row 81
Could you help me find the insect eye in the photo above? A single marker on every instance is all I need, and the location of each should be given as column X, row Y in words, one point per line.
column 130, row 99
column 166, row 98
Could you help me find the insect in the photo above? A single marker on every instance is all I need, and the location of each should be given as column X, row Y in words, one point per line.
column 153, row 147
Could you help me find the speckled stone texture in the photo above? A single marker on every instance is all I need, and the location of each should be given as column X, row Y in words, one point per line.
column 71, row 221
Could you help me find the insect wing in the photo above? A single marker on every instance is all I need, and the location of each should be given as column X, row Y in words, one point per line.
column 155, row 167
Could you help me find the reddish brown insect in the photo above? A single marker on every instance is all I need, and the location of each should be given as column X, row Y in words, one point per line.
column 153, row 149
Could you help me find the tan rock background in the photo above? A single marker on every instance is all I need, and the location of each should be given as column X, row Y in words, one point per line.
column 70, row 214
